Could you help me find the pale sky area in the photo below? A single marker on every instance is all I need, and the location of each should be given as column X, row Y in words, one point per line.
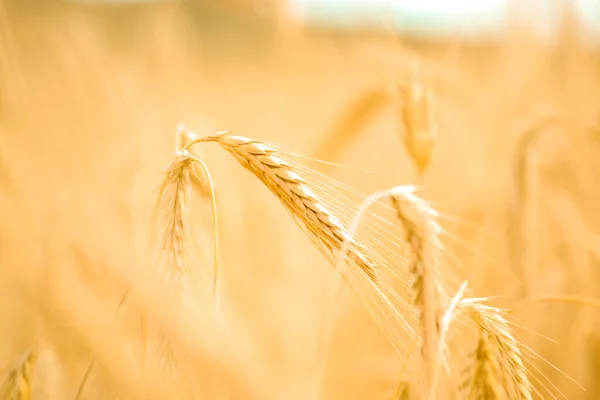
column 467, row 16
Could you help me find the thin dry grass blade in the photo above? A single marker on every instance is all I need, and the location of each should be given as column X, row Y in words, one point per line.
column 88, row 371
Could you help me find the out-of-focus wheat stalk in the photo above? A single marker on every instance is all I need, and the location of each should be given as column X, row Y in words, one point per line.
column 415, row 104
column 416, row 109
column 88, row 371
column 523, row 222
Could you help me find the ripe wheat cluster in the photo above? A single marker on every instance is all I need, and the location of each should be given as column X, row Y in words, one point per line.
column 497, row 370
column 394, row 294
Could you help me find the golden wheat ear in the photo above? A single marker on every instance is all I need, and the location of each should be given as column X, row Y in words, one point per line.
column 322, row 226
column 174, row 194
column 173, row 197
column 498, row 371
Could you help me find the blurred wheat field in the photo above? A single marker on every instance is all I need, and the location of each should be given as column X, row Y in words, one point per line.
column 90, row 100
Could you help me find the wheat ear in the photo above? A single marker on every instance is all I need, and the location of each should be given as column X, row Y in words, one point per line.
column 423, row 239
column 174, row 194
column 172, row 200
column 322, row 227
column 499, row 372
column 17, row 383
column 416, row 105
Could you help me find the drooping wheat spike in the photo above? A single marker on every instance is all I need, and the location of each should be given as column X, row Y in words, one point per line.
column 17, row 383
column 174, row 194
column 498, row 372
column 416, row 103
column 323, row 228
column 422, row 235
